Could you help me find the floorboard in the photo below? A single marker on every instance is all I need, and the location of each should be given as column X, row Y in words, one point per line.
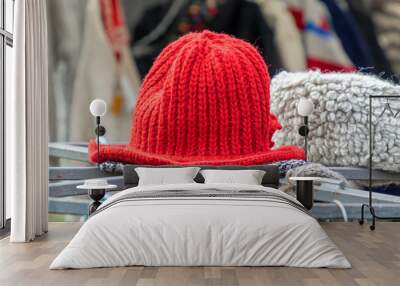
column 375, row 257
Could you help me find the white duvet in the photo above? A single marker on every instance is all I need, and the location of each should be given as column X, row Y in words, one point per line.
column 200, row 231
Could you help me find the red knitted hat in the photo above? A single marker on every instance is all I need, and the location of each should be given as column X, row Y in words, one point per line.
column 205, row 101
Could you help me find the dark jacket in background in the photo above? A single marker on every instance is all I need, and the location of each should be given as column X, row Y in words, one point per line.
column 381, row 65
column 240, row 18
column 350, row 35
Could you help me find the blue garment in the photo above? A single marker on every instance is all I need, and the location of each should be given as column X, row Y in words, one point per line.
column 286, row 165
column 349, row 34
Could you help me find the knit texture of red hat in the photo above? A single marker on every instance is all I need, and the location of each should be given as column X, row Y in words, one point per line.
column 205, row 101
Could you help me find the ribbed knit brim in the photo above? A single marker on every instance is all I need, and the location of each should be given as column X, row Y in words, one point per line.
column 126, row 154
column 204, row 101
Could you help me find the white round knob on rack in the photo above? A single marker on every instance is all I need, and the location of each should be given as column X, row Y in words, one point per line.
column 305, row 107
column 98, row 107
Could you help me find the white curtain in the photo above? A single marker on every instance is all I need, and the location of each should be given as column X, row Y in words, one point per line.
column 27, row 123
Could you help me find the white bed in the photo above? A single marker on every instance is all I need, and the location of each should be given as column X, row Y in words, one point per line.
column 267, row 229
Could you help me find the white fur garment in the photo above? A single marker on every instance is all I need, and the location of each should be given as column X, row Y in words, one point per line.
column 339, row 124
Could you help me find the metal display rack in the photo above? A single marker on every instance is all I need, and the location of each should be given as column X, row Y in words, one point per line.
column 371, row 137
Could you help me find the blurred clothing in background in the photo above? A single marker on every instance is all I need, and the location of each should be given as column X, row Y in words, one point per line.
column 106, row 71
column 65, row 33
column 386, row 15
column 363, row 17
column 104, row 48
column 167, row 22
column 349, row 34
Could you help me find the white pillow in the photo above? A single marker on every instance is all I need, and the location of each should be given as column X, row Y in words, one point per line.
column 166, row 176
column 248, row 177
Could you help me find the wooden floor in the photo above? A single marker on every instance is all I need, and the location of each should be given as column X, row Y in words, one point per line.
column 375, row 257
